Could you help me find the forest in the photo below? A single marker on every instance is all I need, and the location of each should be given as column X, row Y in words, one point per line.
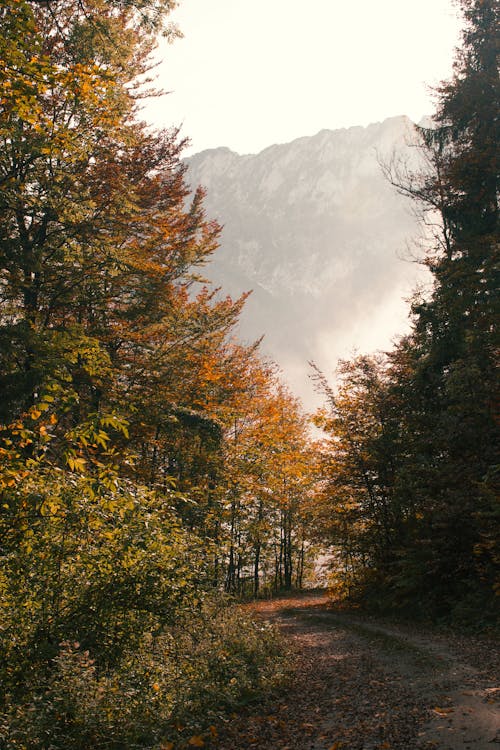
column 155, row 470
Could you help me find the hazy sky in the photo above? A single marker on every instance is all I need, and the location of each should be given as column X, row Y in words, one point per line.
column 251, row 73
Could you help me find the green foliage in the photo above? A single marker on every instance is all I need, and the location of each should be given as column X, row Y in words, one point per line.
column 97, row 567
column 173, row 686
column 108, row 633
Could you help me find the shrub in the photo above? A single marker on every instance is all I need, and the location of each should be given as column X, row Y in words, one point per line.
column 110, row 634
column 175, row 688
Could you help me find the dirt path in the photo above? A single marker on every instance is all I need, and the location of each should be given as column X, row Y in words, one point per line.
column 364, row 685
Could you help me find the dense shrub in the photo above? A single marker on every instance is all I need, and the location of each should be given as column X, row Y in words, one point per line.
column 110, row 634
column 172, row 691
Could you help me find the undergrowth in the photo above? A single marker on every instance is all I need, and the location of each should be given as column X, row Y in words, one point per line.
column 172, row 692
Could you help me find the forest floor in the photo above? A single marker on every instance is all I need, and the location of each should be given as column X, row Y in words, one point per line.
column 364, row 684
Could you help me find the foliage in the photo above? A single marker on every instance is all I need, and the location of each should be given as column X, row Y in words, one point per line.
column 413, row 455
column 171, row 690
column 270, row 474
column 111, row 630
column 97, row 568
column 120, row 382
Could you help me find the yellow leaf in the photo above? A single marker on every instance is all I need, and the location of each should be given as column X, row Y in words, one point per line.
column 155, row 685
column 443, row 711
column 167, row 746
column 76, row 464
column 197, row 741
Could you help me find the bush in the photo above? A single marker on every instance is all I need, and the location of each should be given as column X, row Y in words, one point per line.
column 97, row 568
column 110, row 634
column 172, row 691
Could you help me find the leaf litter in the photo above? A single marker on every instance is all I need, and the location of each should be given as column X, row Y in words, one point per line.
column 363, row 685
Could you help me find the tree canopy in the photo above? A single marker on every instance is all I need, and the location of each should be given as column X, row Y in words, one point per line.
column 123, row 387
column 413, row 455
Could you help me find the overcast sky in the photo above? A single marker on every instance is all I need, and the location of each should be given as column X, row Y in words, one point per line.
column 251, row 73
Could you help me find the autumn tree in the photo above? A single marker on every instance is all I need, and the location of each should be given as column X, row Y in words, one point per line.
column 270, row 475
column 358, row 503
column 100, row 238
column 67, row 101
column 119, row 380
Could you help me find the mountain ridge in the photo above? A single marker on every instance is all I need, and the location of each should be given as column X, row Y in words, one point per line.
column 316, row 231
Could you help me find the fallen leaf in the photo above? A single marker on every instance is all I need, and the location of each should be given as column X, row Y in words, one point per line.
column 443, row 711
column 197, row 741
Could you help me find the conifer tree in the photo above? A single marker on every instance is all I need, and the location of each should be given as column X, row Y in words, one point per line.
column 435, row 395
column 454, row 378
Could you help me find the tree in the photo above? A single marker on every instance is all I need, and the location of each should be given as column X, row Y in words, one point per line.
column 100, row 240
column 270, row 474
column 119, row 379
column 358, row 504
column 454, row 376
column 441, row 378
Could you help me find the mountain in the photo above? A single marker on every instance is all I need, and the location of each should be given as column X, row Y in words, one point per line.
column 319, row 235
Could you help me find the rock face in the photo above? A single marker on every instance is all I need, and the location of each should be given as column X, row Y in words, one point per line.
column 319, row 235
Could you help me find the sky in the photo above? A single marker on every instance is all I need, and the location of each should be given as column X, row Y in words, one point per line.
column 251, row 73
